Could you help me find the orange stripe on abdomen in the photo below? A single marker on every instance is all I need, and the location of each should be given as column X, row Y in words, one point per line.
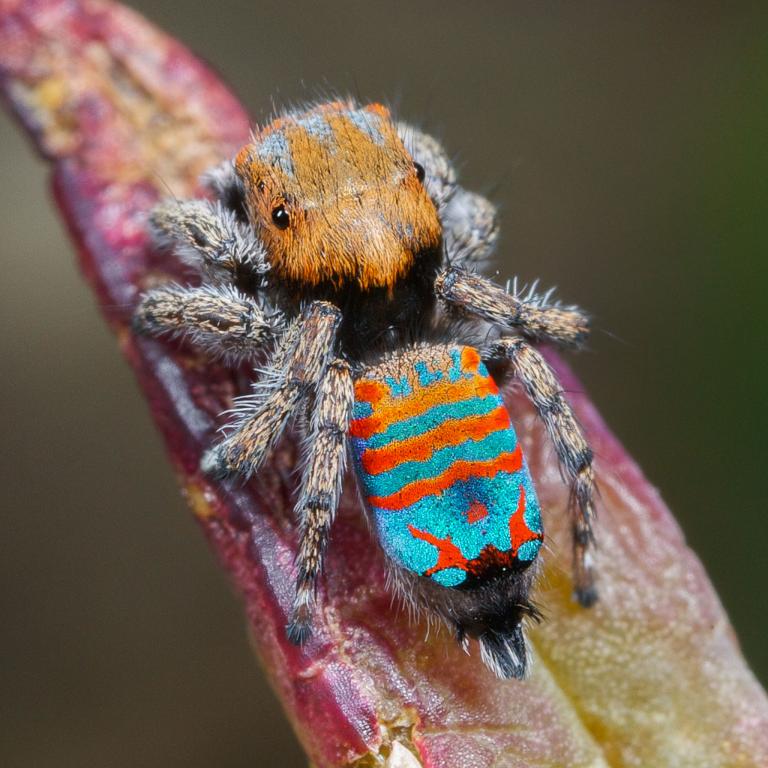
column 394, row 410
column 421, row 447
column 457, row 472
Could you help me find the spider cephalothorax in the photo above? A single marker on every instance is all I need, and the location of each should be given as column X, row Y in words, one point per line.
column 341, row 242
column 336, row 198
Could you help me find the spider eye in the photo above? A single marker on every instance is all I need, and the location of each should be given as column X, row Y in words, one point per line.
column 419, row 171
column 280, row 217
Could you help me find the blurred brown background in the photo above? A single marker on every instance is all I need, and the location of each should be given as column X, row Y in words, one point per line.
column 626, row 145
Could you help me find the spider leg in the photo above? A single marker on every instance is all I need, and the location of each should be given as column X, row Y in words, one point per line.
column 217, row 319
column 210, row 237
column 530, row 314
column 575, row 456
column 301, row 362
column 470, row 228
column 321, row 487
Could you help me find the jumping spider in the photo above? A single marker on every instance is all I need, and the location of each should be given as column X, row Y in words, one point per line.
column 341, row 241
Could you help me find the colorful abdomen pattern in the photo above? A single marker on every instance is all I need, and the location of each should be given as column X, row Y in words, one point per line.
column 441, row 469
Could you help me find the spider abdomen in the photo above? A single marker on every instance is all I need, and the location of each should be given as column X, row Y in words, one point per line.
column 441, row 470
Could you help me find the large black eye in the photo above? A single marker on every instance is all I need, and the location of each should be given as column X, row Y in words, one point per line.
column 419, row 171
column 280, row 217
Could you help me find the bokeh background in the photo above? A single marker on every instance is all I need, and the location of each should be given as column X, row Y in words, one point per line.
column 627, row 145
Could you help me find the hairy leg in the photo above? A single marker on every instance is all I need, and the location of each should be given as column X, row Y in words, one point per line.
column 321, row 487
column 470, row 228
column 217, row 319
column 530, row 314
column 302, row 360
column 209, row 236
column 573, row 452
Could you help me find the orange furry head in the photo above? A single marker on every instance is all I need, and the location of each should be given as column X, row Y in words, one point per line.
column 336, row 198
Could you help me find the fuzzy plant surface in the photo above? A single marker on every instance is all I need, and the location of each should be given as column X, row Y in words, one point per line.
column 651, row 676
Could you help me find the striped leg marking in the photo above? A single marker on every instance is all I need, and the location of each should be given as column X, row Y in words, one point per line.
column 321, row 488
column 220, row 321
column 208, row 236
column 529, row 315
column 306, row 354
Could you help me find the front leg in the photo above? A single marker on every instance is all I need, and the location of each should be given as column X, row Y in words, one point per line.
column 302, row 359
column 470, row 229
column 321, row 487
column 209, row 237
column 220, row 321
column 573, row 452
column 530, row 315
